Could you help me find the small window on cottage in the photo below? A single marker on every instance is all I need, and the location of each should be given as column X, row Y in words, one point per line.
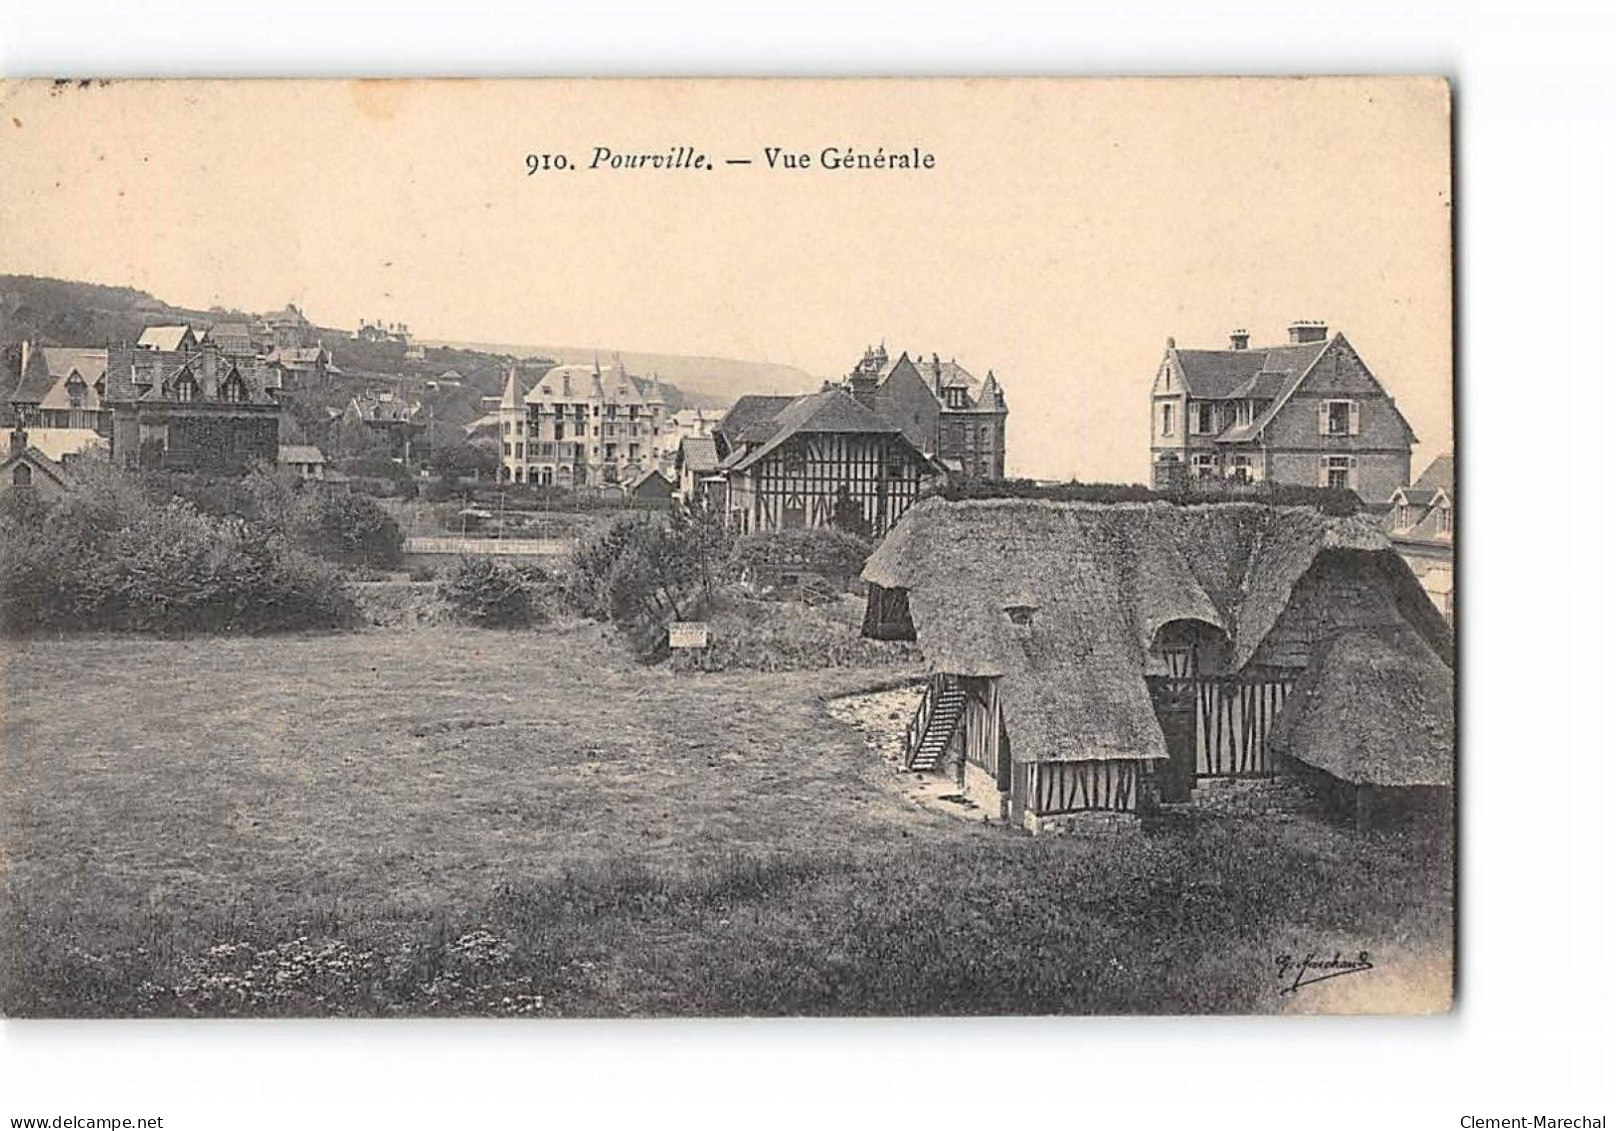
column 22, row 476
column 1446, row 520
column 185, row 389
column 1020, row 615
column 1167, row 420
column 794, row 461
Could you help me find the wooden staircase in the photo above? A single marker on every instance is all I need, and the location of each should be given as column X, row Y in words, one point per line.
column 934, row 724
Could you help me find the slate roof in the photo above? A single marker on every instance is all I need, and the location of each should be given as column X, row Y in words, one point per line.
column 833, row 410
column 750, row 417
column 1438, row 475
column 699, row 453
column 166, row 338
column 300, row 453
column 1244, row 374
column 63, row 360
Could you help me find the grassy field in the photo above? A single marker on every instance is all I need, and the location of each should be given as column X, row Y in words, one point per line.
column 448, row 822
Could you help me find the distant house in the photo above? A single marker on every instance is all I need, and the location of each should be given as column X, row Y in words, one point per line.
column 1308, row 412
column 696, row 465
column 1419, row 521
column 169, row 339
column 303, row 460
column 1091, row 656
column 815, row 461
column 649, row 486
column 196, row 411
column 943, row 409
column 58, row 394
column 27, row 468
column 385, row 413
column 300, row 367
column 287, row 329
column 234, row 339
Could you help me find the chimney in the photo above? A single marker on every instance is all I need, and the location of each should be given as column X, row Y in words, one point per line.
column 1238, row 339
column 22, row 366
column 1302, row 332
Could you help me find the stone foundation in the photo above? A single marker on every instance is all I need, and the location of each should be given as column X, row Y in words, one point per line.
column 1089, row 821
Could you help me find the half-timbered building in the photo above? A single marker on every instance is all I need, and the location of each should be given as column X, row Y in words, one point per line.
column 1094, row 657
column 815, row 461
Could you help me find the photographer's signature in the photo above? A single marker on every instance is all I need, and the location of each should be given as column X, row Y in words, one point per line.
column 1296, row 972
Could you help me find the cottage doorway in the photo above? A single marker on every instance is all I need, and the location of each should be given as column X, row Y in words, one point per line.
column 1175, row 702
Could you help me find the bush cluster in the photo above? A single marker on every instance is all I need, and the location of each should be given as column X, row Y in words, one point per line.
column 832, row 554
column 488, row 593
column 113, row 558
column 1331, row 501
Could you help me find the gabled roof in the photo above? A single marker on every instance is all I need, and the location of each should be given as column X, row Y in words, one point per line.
column 166, row 338
column 832, row 410
column 300, row 453
column 699, row 453
column 33, row 382
column 1438, row 475
column 750, row 418
column 148, row 375
column 385, row 407
column 91, row 364
column 643, row 477
column 1103, row 580
column 1244, row 374
column 36, row 459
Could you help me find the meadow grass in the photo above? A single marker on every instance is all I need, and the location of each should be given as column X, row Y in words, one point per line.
column 448, row 822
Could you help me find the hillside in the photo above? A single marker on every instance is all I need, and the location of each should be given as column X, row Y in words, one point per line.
column 706, row 381
column 65, row 312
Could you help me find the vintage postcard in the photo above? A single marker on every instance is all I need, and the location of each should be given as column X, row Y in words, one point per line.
column 726, row 547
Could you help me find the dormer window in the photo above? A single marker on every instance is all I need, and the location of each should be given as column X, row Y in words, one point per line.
column 234, row 391
column 1020, row 615
column 185, row 389
column 1446, row 514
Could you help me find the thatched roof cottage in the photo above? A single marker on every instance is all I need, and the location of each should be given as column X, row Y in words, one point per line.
column 1086, row 653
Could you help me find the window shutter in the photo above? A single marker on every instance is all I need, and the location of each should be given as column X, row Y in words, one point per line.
column 1324, row 418
column 1352, row 421
column 1324, row 472
column 1352, row 468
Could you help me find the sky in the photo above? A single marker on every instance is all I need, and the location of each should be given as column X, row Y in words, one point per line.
column 1068, row 228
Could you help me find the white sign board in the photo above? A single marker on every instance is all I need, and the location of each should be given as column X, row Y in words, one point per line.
column 687, row 634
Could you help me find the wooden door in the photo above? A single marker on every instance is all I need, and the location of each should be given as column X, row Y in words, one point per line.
column 1174, row 700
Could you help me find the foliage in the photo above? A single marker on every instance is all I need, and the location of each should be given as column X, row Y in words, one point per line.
column 1331, row 501
column 781, row 636
column 830, row 553
column 640, row 573
column 847, row 516
column 486, row 592
column 349, row 528
column 118, row 560
column 464, row 461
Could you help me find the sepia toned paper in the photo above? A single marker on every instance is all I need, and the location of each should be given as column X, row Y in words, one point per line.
column 1092, row 709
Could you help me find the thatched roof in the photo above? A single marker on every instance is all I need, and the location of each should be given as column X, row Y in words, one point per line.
column 1102, row 579
column 1374, row 708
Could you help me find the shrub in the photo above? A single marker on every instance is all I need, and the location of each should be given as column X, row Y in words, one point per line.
column 349, row 528
column 121, row 562
column 488, row 593
column 640, row 572
column 1332, row 501
column 832, row 554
